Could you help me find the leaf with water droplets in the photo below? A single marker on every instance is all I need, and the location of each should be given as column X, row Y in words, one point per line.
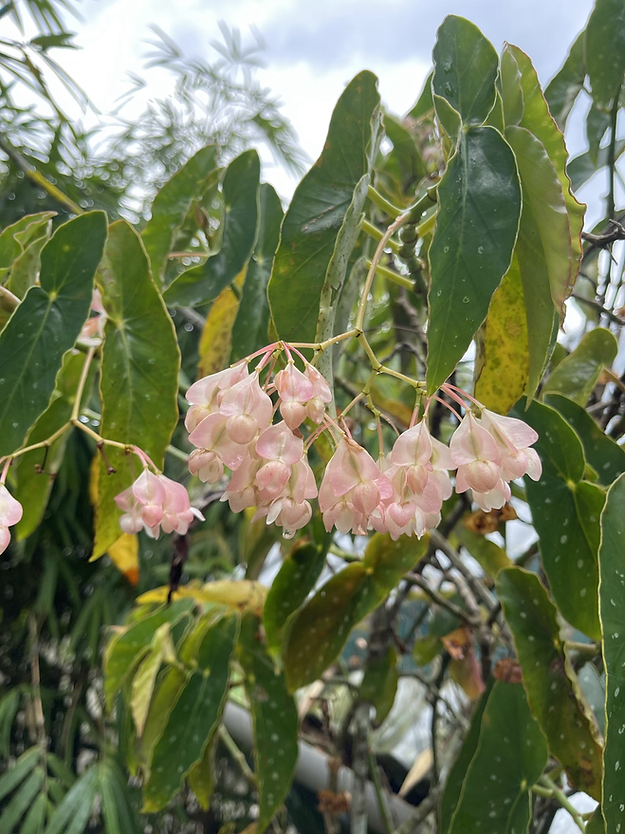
column 195, row 716
column 565, row 513
column 612, row 613
column 274, row 721
column 552, row 687
column 139, row 374
column 510, row 756
column 476, row 230
column 46, row 324
column 465, row 69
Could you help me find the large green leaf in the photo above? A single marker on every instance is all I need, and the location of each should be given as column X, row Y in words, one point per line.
column 612, row 613
column 295, row 580
column 195, row 716
column 139, row 375
column 317, row 211
column 553, row 690
column 565, row 513
column 18, row 236
column 33, row 486
column 171, row 205
column 581, row 168
column 562, row 91
column 465, row 69
column 578, row 373
column 320, row 629
column 510, row 756
column 476, row 229
column 605, row 50
column 25, row 268
column 455, row 778
column 144, row 679
column 250, row 330
column 605, row 456
column 544, row 250
column 274, row 720
column 46, row 324
column 539, row 121
column 201, row 284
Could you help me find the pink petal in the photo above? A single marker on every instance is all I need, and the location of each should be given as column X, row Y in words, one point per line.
column 273, row 477
column 472, row 442
column 413, row 446
column 242, row 428
column 315, row 409
column 247, row 397
column 293, row 385
column 481, row 475
column 211, row 435
column 321, row 388
column 441, row 456
column 5, row 538
column 148, row 489
column 350, row 465
column 10, row 509
column 511, row 430
column 279, row 443
column 534, row 464
column 293, row 414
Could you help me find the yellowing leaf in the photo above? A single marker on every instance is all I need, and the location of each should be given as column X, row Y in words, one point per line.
column 216, row 341
column 124, row 554
column 504, row 346
column 242, row 594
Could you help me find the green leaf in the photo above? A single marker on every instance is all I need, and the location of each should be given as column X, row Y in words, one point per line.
column 250, row 331
column 25, row 268
column 379, row 684
column 605, row 51
column 201, row 284
column 455, row 779
column 201, row 777
column 20, row 770
column 423, row 106
column 404, row 162
column 596, row 824
column 320, row 629
column 167, row 692
column 612, row 613
column 73, row 813
column 502, row 363
column 16, row 238
column 118, row 815
column 126, row 650
column 171, row 206
column 46, row 325
column 450, row 120
column 33, row 487
column 296, row 578
column 581, row 168
column 274, row 721
column 139, row 373
column 510, row 756
column 553, row 690
column 465, row 69
column 565, row 514
column 605, row 456
column 35, row 819
column 562, row 91
column 597, row 123
column 578, row 373
column 486, row 553
column 539, row 121
column 145, row 677
column 195, row 716
column 318, row 209
column 476, row 229
column 21, row 801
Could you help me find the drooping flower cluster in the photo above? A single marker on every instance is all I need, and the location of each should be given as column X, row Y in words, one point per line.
column 10, row 513
column 230, row 424
column 154, row 503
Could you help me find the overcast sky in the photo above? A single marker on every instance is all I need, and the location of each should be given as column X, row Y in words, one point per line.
column 313, row 48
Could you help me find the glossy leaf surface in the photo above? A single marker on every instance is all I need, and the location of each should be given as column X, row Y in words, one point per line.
column 477, row 223
column 317, row 211
column 577, row 374
column 201, row 284
column 46, row 325
column 139, row 374
column 552, row 688
column 612, row 613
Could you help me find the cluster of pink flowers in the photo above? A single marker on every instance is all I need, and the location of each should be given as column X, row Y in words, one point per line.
column 154, row 503
column 230, row 424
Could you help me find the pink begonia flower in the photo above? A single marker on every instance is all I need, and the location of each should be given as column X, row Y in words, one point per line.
column 291, row 510
column 514, row 437
column 352, row 488
column 248, row 408
column 294, row 389
column 215, row 448
column 10, row 513
column 206, row 394
column 154, row 502
column 315, row 408
column 476, row 454
column 281, row 448
column 93, row 329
